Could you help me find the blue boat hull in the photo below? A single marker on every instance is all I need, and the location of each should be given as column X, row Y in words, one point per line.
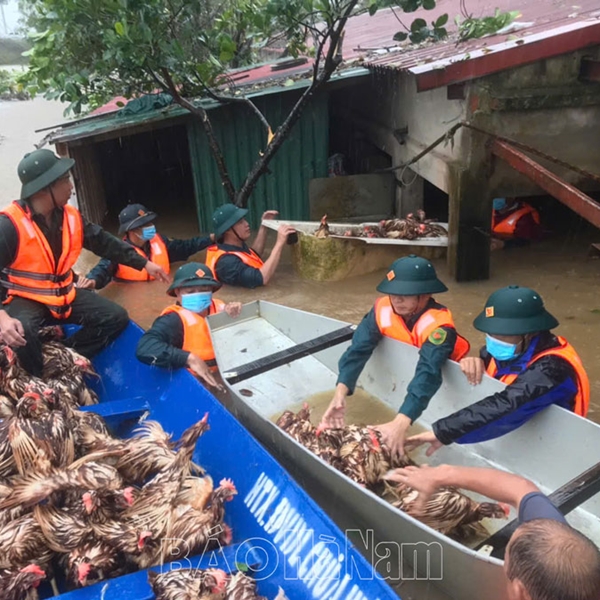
column 277, row 529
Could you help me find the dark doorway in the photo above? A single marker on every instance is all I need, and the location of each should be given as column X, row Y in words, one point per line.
column 150, row 168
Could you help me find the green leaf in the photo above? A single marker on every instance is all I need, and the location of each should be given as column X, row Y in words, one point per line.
column 428, row 4
column 119, row 28
column 441, row 21
column 400, row 36
column 243, row 567
column 418, row 24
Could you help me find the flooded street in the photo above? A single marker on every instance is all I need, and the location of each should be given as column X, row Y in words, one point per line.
column 557, row 268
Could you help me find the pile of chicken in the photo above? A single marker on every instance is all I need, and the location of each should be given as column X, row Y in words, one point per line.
column 357, row 452
column 204, row 584
column 76, row 500
column 414, row 226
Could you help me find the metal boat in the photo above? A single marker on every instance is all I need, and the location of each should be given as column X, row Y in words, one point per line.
column 254, row 353
column 278, row 531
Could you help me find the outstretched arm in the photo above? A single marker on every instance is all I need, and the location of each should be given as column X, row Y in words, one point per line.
column 497, row 485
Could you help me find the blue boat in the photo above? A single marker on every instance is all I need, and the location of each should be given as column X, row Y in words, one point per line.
column 278, row 531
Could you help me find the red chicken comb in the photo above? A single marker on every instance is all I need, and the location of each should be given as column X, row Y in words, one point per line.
column 83, row 570
column 374, row 440
column 142, row 539
column 88, row 502
column 505, row 507
column 228, row 484
column 221, row 580
column 128, row 495
column 34, row 569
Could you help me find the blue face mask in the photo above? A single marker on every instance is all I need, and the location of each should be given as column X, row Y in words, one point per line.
column 500, row 350
column 499, row 203
column 196, row 302
column 148, row 232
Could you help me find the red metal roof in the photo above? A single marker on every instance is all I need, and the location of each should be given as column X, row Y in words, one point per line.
column 554, row 27
column 549, row 28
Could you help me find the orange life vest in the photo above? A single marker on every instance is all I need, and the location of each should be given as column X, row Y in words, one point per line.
column 214, row 253
column 566, row 352
column 508, row 225
column 158, row 255
column 392, row 325
column 34, row 273
column 196, row 335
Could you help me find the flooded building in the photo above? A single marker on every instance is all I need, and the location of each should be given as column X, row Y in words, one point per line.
column 448, row 125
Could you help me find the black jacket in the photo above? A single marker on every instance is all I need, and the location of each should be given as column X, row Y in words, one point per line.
column 550, row 380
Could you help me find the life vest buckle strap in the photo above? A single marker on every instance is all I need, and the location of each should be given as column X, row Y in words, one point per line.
column 63, row 291
column 37, row 276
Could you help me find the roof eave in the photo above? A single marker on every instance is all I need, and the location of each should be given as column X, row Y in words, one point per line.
column 507, row 55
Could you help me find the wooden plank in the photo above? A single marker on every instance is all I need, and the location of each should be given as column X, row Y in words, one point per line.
column 284, row 357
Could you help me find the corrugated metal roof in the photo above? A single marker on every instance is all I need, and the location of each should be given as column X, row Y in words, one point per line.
column 113, row 121
column 303, row 156
column 539, row 19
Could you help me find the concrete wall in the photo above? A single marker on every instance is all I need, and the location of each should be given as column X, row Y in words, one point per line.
column 361, row 196
column 545, row 106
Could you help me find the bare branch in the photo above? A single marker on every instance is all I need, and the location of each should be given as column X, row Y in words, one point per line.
column 320, row 77
column 199, row 112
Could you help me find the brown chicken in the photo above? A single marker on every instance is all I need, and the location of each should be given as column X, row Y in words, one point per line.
column 449, row 511
column 84, row 475
column 45, row 431
column 22, row 542
column 188, row 584
column 195, row 530
column 323, row 230
column 21, row 583
column 92, row 562
column 154, row 505
column 61, row 362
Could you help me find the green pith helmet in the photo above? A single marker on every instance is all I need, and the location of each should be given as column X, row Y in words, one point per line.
column 225, row 217
column 192, row 274
column 411, row 276
column 514, row 310
column 134, row 216
column 39, row 169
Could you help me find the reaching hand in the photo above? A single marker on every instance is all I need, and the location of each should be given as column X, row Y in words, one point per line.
column 282, row 234
column 473, row 368
column 270, row 214
column 233, row 309
column 427, row 437
column 334, row 416
column 393, row 434
column 202, row 370
column 83, row 283
column 157, row 272
column 422, row 479
column 11, row 331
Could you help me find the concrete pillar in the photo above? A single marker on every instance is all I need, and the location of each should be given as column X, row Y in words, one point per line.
column 469, row 223
column 409, row 192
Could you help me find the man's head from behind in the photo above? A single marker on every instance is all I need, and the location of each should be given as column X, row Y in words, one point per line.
column 548, row 560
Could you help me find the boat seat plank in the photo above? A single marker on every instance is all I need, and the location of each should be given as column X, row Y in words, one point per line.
column 128, row 408
column 288, row 355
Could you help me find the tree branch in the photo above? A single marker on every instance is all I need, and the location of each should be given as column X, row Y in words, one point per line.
column 332, row 60
column 233, row 99
column 201, row 114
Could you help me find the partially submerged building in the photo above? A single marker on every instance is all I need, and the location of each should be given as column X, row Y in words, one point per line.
column 504, row 115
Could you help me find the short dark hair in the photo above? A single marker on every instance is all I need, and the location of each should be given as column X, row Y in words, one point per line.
column 554, row 562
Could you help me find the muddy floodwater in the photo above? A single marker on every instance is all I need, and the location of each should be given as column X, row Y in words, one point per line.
column 559, row 269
